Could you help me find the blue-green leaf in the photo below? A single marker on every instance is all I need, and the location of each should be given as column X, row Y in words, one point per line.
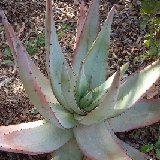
column 68, row 91
column 54, row 57
column 80, row 22
column 86, row 101
column 70, row 151
column 87, row 36
column 98, row 142
column 96, row 61
column 146, row 148
column 136, row 86
column 65, row 118
column 36, row 84
column 143, row 113
column 98, row 92
column 40, row 138
column 106, row 105
column 82, row 85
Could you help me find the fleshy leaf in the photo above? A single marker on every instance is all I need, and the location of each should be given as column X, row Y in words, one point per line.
column 36, row 86
column 42, row 81
column 98, row 92
column 68, row 89
column 143, row 113
column 136, row 86
column 70, row 151
column 48, row 18
column 54, row 57
column 65, row 118
column 86, row 101
column 98, row 53
column 134, row 153
column 80, row 22
column 96, row 141
column 43, row 138
column 105, row 107
column 105, row 86
column 87, row 36
column 18, row 127
column 82, row 85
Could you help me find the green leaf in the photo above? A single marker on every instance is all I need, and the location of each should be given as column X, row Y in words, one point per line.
column 37, row 86
column 82, row 85
column 146, row 148
column 146, row 42
column 54, row 57
column 68, row 92
column 143, row 113
column 70, row 151
column 105, row 107
column 89, row 31
column 150, row 7
column 65, row 118
column 98, row 142
column 80, row 22
column 99, row 91
column 134, row 153
column 86, row 101
column 7, row 52
column 40, row 41
column 157, row 145
column 136, row 86
column 158, row 153
column 98, row 53
column 18, row 127
column 145, row 20
column 153, row 50
column 33, row 138
column 8, row 62
column 31, row 50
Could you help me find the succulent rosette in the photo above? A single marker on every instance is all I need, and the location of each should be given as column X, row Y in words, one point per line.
column 81, row 109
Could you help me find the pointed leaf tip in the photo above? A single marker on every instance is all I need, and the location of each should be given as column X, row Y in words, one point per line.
column 98, row 53
column 82, row 85
column 80, row 22
column 105, row 108
column 68, row 89
column 54, row 57
column 136, row 86
column 37, row 86
column 143, row 113
column 89, row 31
column 43, row 138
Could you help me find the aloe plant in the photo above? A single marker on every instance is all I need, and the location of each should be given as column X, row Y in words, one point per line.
column 81, row 109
